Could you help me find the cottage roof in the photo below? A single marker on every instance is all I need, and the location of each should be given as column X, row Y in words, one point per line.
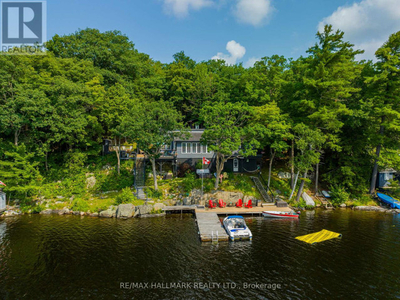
column 195, row 136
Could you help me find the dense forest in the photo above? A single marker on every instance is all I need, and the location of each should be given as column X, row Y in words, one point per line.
column 326, row 114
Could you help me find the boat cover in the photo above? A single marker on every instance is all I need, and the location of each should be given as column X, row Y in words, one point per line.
column 319, row 236
column 308, row 199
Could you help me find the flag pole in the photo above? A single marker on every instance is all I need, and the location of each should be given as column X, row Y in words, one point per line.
column 202, row 176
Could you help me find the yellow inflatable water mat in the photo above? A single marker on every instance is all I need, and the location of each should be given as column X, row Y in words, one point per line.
column 319, row 236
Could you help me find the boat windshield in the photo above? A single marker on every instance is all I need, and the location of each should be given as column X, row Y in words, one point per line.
column 236, row 223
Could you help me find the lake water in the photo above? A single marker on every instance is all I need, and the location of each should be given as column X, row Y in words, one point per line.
column 72, row 257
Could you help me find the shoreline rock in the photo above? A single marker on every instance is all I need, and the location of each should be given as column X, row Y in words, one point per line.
column 125, row 211
column 370, row 208
column 109, row 213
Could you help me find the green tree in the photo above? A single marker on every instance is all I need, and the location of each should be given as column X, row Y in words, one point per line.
column 276, row 131
column 308, row 141
column 19, row 172
column 152, row 125
column 383, row 103
column 229, row 132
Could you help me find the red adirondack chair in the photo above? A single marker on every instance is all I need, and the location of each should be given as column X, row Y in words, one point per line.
column 239, row 203
column 221, row 203
column 248, row 204
column 211, row 204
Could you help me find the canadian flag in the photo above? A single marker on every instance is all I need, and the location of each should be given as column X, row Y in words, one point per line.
column 2, row 183
column 206, row 161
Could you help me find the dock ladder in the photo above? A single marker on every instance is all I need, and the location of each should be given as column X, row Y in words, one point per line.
column 214, row 238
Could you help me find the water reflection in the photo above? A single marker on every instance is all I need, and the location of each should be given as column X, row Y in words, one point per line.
column 44, row 257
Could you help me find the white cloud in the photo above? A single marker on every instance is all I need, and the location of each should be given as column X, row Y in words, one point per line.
column 367, row 23
column 251, row 61
column 254, row 12
column 180, row 8
column 236, row 51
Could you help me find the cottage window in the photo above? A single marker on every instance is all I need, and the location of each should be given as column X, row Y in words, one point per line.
column 203, row 149
column 198, row 148
column 184, row 148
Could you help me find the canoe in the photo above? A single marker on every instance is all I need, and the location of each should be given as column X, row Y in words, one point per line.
column 326, row 194
column 280, row 214
column 393, row 203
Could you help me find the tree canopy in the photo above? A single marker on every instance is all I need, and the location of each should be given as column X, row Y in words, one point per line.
column 339, row 117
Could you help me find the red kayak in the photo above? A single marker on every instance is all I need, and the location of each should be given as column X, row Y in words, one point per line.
column 280, row 214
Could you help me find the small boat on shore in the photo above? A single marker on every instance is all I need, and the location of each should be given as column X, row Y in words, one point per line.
column 393, row 203
column 281, row 214
column 236, row 228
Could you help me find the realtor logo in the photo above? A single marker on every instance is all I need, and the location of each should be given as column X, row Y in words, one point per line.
column 22, row 23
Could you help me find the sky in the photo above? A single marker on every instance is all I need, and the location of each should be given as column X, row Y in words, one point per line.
column 233, row 30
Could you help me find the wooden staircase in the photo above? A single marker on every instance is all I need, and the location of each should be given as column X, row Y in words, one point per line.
column 262, row 190
column 140, row 176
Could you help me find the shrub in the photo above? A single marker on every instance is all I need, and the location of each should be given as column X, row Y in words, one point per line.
column 74, row 162
column 156, row 212
column 32, row 207
column 126, row 196
column 80, row 204
column 111, row 181
column 199, row 164
column 339, row 194
column 189, row 182
column 152, row 193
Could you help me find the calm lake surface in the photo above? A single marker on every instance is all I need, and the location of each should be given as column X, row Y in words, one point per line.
column 72, row 257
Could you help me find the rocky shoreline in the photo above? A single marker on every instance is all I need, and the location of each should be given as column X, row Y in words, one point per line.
column 151, row 209
column 127, row 211
column 122, row 211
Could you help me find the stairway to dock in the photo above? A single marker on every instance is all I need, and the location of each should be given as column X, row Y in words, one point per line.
column 210, row 227
column 261, row 189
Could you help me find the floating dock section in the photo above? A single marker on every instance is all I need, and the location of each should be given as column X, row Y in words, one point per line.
column 210, row 227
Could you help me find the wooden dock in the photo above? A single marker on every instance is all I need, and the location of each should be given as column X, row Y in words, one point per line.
column 210, row 227
column 208, row 223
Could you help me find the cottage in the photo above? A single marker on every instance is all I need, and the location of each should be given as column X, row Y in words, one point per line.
column 385, row 176
column 191, row 151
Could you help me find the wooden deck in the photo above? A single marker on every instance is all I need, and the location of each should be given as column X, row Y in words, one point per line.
column 226, row 210
column 210, row 227
column 255, row 211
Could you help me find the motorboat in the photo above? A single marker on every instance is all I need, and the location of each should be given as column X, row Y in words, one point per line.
column 281, row 214
column 236, row 228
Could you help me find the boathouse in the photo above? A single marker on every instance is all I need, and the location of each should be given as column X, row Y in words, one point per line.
column 385, row 176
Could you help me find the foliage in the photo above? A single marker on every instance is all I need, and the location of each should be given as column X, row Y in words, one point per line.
column 339, row 195
column 154, row 129
column 19, row 172
column 189, row 182
column 154, row 194
column 111, row 181
column 56, row 109
column 229, row 132
column 126, row 196
column 32, row 207
column 80, row 204
column 156, row 211
column 74, row 162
